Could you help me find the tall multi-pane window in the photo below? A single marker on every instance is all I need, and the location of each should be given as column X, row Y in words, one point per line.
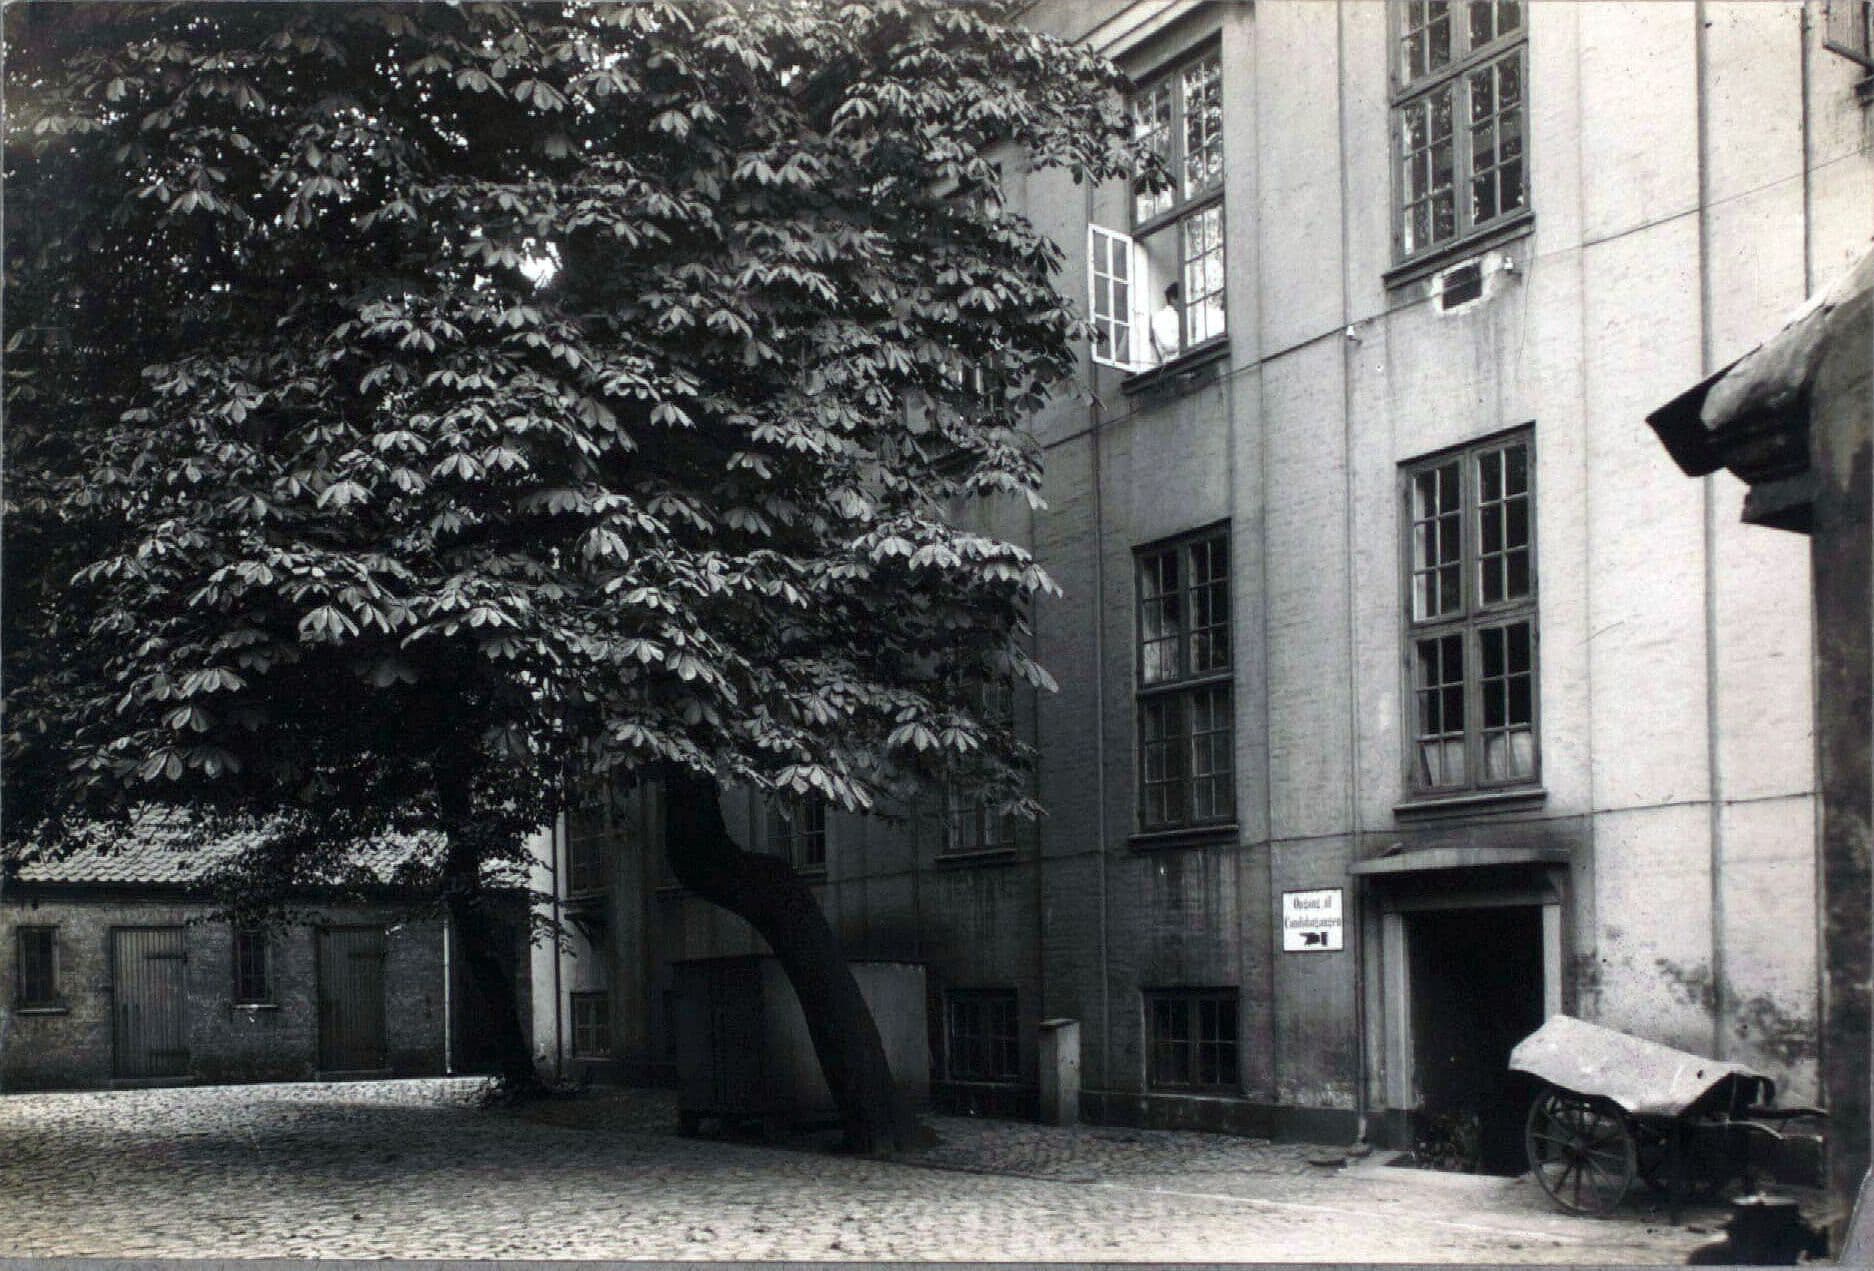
column 1471, row 617
column 973, row 824
column 1191, row 1039
column 982, row 1039
column 1184, row 683
column 253, row 980
column 797, row 833
column 595, row 835
column 1158, row 291
column 1459, row 118
column 37, row 981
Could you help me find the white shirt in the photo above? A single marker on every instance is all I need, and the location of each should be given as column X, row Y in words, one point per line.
column 1165, row 342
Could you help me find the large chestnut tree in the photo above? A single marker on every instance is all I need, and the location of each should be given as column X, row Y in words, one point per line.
column 418, row 411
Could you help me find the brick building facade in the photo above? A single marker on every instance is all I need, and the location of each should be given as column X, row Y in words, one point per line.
column 118, row 972
column 1407, row 692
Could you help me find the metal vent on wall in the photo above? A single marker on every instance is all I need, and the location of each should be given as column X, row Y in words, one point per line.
column 1458, row 285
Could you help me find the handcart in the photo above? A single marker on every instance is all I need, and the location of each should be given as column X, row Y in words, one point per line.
column 1613, row 1109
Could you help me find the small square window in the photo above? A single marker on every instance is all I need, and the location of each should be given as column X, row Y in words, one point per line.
column 37, row 983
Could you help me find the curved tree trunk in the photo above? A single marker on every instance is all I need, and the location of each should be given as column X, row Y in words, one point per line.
column 766, row 892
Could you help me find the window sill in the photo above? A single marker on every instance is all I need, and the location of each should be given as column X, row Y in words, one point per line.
column 1508, row 800
column 42, row 1010
column 980, row 856
column 1183, row 836
column 812, row 873
column 586, row 899
column 1189, row 370
column 1419, row 267
column 252, row 1007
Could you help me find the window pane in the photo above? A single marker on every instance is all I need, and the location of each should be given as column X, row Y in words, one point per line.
column 1151, row 123
column 1495, row 114
column 1203, row 127
column 1440, row 691
column 1503, row 525
column 1436, row 563
column 1201, row 250
column 1161, row 617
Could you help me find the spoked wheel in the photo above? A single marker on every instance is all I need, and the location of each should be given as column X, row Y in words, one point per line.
column 1581, row 1151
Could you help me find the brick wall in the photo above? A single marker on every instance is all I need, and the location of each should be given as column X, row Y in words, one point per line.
column 72, row 1045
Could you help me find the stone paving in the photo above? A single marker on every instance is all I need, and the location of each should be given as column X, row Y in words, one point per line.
column 414, row 1169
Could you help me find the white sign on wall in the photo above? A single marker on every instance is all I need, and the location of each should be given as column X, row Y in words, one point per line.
column 1312, row 922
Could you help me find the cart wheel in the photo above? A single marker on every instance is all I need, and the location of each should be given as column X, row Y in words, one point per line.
column 1581, row 1151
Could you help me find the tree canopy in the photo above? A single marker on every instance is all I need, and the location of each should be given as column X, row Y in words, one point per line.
column 417, row 403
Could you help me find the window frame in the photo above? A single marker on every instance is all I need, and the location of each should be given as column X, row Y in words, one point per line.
column 53, row 999
column 966, row 817
column 1188, row 1001
column 991, row 1041
column 1183, row 207
column 582, row 1030
column 1407, row 91
column 786, row 837
column 1184, row 685
column 590, row 860
column 1473, row 616
column 244, row 940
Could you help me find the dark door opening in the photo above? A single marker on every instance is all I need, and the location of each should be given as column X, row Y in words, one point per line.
column 1476, row 978
column 351, row 999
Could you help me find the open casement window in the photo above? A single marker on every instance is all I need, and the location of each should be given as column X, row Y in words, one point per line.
column 1459, row 119
column 1848, row 31
column 1113, row 300
column 1471, row 618
column 1176, row 233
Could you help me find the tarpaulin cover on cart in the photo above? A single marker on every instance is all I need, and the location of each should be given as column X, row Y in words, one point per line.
column 1645, row 1078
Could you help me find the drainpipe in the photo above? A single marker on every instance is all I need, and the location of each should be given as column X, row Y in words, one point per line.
column 1099, row 699
column 448, row 1014
column 556, row 842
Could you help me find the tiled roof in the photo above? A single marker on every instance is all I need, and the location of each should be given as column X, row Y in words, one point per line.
column 173, row 853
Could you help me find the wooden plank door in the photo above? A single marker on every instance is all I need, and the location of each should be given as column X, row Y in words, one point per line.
column 150, row 1035
column 351, row 999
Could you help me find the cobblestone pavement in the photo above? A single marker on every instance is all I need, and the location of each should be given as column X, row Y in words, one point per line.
column 413, row 1169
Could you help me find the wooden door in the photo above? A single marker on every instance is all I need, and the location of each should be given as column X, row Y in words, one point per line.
column 150, row 1036
column 351, row 999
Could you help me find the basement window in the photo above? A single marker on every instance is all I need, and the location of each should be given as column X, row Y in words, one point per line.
column 1192, row 1038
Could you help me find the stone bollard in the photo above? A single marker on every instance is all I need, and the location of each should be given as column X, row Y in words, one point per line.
column 1059, row 1056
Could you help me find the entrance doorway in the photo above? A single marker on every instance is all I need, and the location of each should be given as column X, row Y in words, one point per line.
column 150, row 1031
column 1477, row 990
column 351, row 999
